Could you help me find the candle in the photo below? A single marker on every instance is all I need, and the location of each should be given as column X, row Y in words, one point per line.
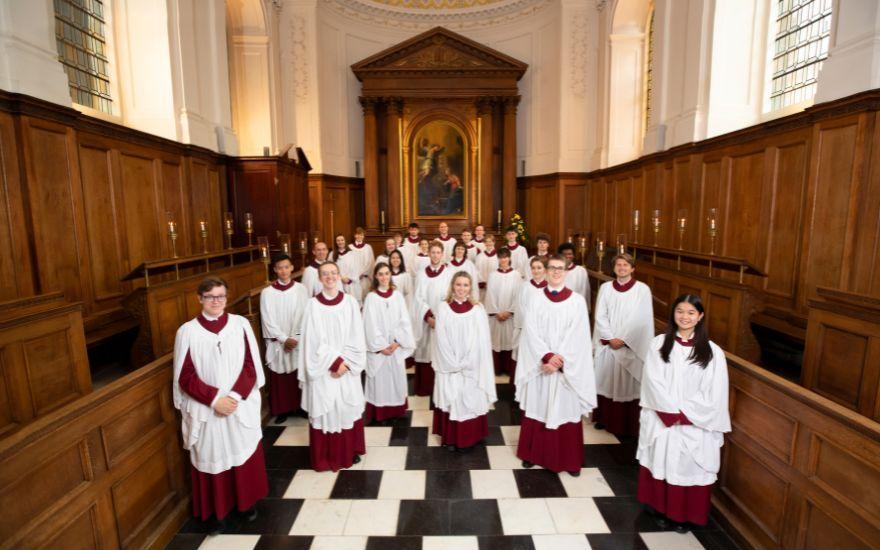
column 636, row 218
column 382, row 216
column 600, row 246
column 302, row 245
column 682, row 223
column 203, row 226
column 248, row 221
column 582, row 243
column 172, row 227
column 499, row 218
column 712, row 224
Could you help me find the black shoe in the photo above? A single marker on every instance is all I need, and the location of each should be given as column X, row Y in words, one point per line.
column 682, row 528
column 450, row 448
column 355, row 459
column 661, row 522
column 250, row 514
column 280, row 418
column 575, row 473
column 216, row 527
column 599, row 426
column 527, row 464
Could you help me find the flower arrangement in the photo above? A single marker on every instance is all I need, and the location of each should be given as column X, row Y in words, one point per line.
column 522, row 234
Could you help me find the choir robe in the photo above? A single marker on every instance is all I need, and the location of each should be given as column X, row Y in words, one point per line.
column 502, row 294
column 213, row 359
column 448, row 244
column 527, row 293
column 403, row 283
column 381, row 259
column 682, row 426
column 576, row 278
column 281, row 311
column 487, row 264
column 467, row 266
column 418, row 265
column 431, row 290
column 387, row 320
column 551, row 433
column 464, row 388
column 312, row 282
column 333, row 333
column 480, row 244
column 350, row 267
column 519, row 260
column 472, row 251
column 365, row 261
column 410, row 248
column 624, row 312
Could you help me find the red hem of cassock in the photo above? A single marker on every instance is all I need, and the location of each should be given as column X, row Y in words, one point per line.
column 424, row 379
column 462, row 434
column 559, row 450
column 240, row 486
column 372, row 412
column 619, row 417
column 285, row 396
column 676, row 502
column 335, row 451
column 504, row 363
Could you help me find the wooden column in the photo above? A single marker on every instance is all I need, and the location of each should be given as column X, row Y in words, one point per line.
column 394, row 212
column 487, row 214
column 371, row 163
column 508, row 188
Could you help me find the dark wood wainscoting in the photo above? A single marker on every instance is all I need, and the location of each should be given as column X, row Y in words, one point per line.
column 336, row 205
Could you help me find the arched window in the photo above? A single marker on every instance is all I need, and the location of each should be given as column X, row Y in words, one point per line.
column 802, row 31
column 81, row 39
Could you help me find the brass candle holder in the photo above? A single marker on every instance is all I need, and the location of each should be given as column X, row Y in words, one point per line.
column 172, row 232
column 635, row 226
column 263, row 245
column 712, row 223
column 303, row 247
column 600, row 250
column 498, row 222
column 203, row 233
column 249, row 227
column 681, row 224
column 284, row 243
column 582, row 248
column 621, row 243
column 228, row 228
column 382, row 226
column 655, row 225
column 316, row 237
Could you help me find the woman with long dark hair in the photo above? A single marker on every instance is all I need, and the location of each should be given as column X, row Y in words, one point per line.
column 684, row 418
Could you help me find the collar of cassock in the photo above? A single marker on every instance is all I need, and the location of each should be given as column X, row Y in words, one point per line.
column 386, row 294
column 571, row 266
column 343, row 252
column 542, row 284
column 315, row 263
column 414, row 240
column 476, row 240
column 512, row 247
column 278, row 285
column 328, row 301
column 422, row 255
column 446, row 238
column 462, row 307
column 491, row 253
column 557, row 295
column 456, row 264
column 429, row 271
column 623, row 288
column 508, row 270
column 356, row 245
column 215, row 325
column 685, row 343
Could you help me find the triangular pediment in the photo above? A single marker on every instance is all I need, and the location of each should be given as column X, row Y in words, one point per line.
column 439, row 50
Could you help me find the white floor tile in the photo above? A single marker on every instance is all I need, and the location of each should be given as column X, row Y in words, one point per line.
column 294, row 436
column 525, row 516
column 589, row 484
column 422, row 419
column 450, row 543
column 376, row 518
column 510, row 435
column 230, row 542
column 502, row 379
column 384, row 458
column 576, row 515
column 493, row 484
column 670, row 540
column 419, row 402
column 411, row 370
column 592, row 436
column 503, row 457
column 311, row 484
column 403, row 484
column 560, row 542
column 377, row 436
column 434, row 440
column 321, row 517
column 338, row 543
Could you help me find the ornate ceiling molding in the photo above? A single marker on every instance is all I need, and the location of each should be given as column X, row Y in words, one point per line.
column 425, row 14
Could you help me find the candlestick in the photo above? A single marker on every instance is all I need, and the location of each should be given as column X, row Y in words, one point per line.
column 682, row 225
column 284, row 242
column 635, row 226
column 713, row 229
column 249, row 227
column 499, row 220
column 172, row 232
column 600, row 249
column 316, row 237
column 203, row 233
column 655, row 224
column 382, row 220
column 263, row 244
column 621, row 243
column 228, row 228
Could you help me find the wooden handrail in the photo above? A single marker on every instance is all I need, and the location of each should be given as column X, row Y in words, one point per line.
column 598, row 275
column 139, row 271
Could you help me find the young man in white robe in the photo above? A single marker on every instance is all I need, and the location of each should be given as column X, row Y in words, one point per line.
column 577, row 278
column 365, row 260
column 432, row 287
column 555, row 384
column 487, row 264
column 216, row 386
column 390, row 341
column 542, row 246
column 390, row 246
column 461, row 355
column 420, row 261
column 281, row 309
column 460, row 261
column 333, row 356
column 447, row 240
column 480, row 237
column 622, row 338
column 410, row 246
column 502, row 295
column 519, row 258
column 684, row 418
column 310, row 278
column 472, row 249
column 349, row 265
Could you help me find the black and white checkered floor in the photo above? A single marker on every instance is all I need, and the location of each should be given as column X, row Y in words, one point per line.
column 410, row 493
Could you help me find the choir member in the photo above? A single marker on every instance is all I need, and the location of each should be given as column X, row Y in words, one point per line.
column 480, row 236
column 577, row 278
column 402, row 280
column 398, row 239
column 684, row 418
column 621, row 340
column 487, row 263
column 472, row 249
column 364, row 259
column 460, row 261
column 528, row 292
column 281, row 309
column 389, row 335
column 446, row 240
column 432, row 286
column 461, row 355
column 310, row 279
column 542, row 242
column 349, row 269
column 217, row 381
column 519, row 258
column 420, row 261
column 390, row 246
column 502, row 294
column 555, row 385
column 333, row 354
column 410, row 246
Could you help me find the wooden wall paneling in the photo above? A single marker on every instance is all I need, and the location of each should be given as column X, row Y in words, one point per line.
column 573, row 197
column 746, row 197
column 255, row 191
column 207, row 197
column 175, row 201
column 16, row 275
column 686, row 195
column 140, row 191
column 621, row 208
column 865, row 275
column 712, row 195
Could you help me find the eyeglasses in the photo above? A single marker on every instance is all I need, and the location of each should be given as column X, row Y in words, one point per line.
column 211, row 298
column 555, row 268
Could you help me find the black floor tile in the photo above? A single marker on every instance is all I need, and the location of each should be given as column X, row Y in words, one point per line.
column 617, row 541
column 185, row 541
column 423, row 517
column 275, row 516
column 283, row 542
column 506, row 543
column 439, row 458
column 505, row 392
column 394, row 543
column 495, row 437
column 449, row 484
column 716, row 540
column 625, row 515
column 623, row 480
column 288, row 458
column 538, row 483
column 475, row 517
column 403, row 436
column 271, row 434
column 609, row 455
column 357, row 484
column 505, row 413
column 279, row 480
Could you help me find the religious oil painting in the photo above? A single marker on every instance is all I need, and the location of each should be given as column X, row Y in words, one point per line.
column 439, row 170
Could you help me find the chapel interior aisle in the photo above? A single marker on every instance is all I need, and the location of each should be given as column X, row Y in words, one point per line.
column 410, row 493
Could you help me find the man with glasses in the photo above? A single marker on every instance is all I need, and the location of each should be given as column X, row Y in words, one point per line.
column 555, row 383
column 216, row 387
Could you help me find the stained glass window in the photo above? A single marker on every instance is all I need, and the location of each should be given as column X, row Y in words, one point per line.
column 82, row 49
column 802, row 33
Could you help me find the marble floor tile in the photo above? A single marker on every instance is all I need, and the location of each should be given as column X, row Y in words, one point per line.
column 294, row 436
column 403, row 484
column 372, row 518
column 576, row 515
column 493, row 484
column 311, row 484
column 450, row 543
column 525, row 516
column 561, row 542
column 377, row 436
column 591, row 483
column 384, row 458
column 230, row 542
column 339, row 543
column 321, row 517
column 503, row 458
column 671, row 541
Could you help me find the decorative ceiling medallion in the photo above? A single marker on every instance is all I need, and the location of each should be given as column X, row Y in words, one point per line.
column 425, row 14
column 435, row 4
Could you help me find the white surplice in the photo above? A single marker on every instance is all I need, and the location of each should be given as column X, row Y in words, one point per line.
column 468, row 267
column 312, row 281
column 350, row 267
column 487, row 264
column 331, row 332
column 464, row 382
column 430, row 293
column 683, row 455
column 628, row 316
column 419, row 263
column 472, row 251
column 562, row 328
column 448, row 244
column 502, row 294
column 410, row 248
column 519, row 260
column 281, row 314
column 387, row 320
column 365, row 262
column 217, row 443
column 576, row 278
column 403, row 283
